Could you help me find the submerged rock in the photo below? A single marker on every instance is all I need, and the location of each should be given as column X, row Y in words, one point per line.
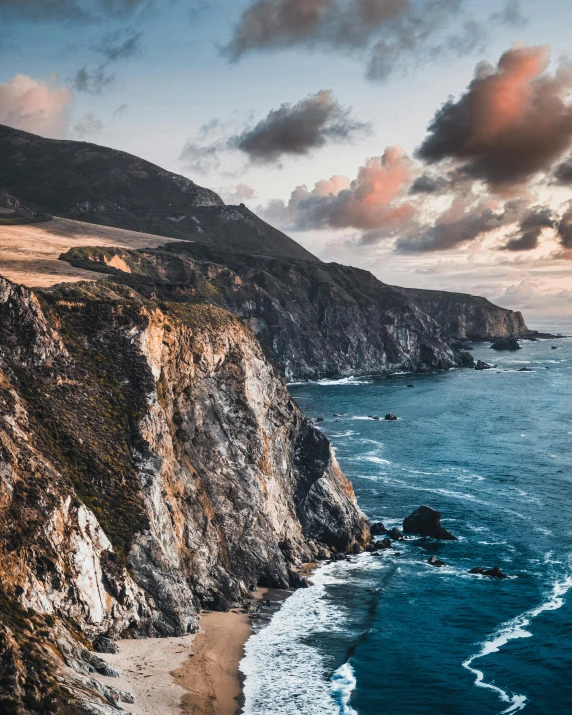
column 495, row 572
column 525, row 369
column 373, row 417
column 395, row 534
column 434, row 561
column 427, row 522
column 482, row 365
column 390, row 418
column 506, row 344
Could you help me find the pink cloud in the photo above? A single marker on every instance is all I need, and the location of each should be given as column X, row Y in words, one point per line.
column 35, row 106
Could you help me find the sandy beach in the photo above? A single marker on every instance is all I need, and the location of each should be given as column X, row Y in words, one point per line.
column 195, row 674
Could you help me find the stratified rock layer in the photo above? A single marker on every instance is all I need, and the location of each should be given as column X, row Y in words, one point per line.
column 151, row 463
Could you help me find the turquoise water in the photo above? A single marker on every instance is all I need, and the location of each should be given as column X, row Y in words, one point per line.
column 393, row 635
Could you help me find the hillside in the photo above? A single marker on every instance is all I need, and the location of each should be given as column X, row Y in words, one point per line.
column 88, row 182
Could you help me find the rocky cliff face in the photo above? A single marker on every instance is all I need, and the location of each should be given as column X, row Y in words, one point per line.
column 468, row 317
column 151, row 463
column 313, row 319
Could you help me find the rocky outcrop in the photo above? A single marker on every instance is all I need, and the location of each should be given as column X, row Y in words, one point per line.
column 313, row 319
column 468, row 317
column 426, row 522
column 151, row 463
column 14, row 212
column 509, row 344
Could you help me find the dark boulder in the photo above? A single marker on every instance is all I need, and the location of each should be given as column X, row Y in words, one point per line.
column 395, row 534
column 482, row 365
column 319, row 419
column 377, row 529
column 525, row 369
column 495, row 572
column 104, row 645
column 506, row 344
column 390, row 418
column 410, row 385
column 434, row 561
column 426, row 522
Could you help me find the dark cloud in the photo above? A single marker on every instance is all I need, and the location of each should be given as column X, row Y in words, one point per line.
column 462, row 223
column 530, row 229
column 563, row 172
column 390, row 33
column 565, row 227
column 299, row 128
column 514, row 120
column 428, row 184
column 201, row 158
column 120, row 45
column 120, row 111
column 92, row 81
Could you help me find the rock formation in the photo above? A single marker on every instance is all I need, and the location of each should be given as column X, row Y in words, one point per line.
column 313, row 319
column 151, row 463
column 509, row 344
column 468, row 317
column 426, row 522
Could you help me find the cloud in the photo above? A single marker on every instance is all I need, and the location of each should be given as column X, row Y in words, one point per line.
column 297, row 129
column 92, row 81
column 291, row 130
column 388, row 32
column 120, row 111
column 89, row 126
column 565, row 226
column 237, row 194
column 369, row 202
column 36, row 106
column 530, row 229
column 459, row 224
column 120, row 45
column 513, row 122
column 68, row 10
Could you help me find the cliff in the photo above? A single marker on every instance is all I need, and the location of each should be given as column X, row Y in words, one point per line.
column 468, row 317
column 313, row 319
column 152, row 464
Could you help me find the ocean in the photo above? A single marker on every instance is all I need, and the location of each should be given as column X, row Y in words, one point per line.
column 393, row 635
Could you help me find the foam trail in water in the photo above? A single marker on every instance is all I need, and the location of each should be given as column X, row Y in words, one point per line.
column 343, row 685
column 511, row 631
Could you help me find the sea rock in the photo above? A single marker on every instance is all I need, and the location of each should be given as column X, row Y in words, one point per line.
column 319, row 419
column 434, row 561
column 554, row 347
column 425, row 521
column 482, row 365
column 373, row 417
column 339, row 414
column 495, row 572
column 506, row 344
column 377, row 529
column 390, row 418
column 379, row 545
column 410, row 385
column 525, row 369
column 395, row 534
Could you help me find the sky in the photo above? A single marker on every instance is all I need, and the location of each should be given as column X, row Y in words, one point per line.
column 429, row 141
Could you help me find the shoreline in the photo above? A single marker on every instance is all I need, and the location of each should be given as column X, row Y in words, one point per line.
column 197, row 674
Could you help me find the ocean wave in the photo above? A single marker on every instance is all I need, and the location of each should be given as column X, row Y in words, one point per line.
column 513, row 630
column 285, row 673
column 343, row 685
column 344, row 381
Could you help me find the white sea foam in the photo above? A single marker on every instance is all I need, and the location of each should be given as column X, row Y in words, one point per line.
column 344, row 381
column 512, row 630
column 285, row 673
column 343, row 685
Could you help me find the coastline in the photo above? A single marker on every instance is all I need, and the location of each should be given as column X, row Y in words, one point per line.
column 196, row 674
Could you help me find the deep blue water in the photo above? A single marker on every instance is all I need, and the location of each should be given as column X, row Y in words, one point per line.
column 395, row 636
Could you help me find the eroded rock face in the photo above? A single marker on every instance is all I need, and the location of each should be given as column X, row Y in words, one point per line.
column 151, row 462
column 313, row 319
